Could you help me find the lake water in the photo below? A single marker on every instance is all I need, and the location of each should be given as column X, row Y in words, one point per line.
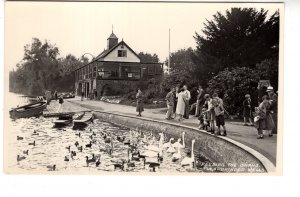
column 50, row 147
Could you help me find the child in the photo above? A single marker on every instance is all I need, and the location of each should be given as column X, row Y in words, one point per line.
column 220, row 120
column 203, row 118
column 60, row 101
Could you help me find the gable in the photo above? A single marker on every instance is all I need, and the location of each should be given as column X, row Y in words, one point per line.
column 122, row 53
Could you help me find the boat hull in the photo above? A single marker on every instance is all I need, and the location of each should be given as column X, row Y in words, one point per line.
column 83, row 120
column 27, row 111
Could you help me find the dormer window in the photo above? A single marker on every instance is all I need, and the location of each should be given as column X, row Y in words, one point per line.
column 122, row 53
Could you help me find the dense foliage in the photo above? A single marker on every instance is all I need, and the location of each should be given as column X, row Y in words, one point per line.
column 41, row 69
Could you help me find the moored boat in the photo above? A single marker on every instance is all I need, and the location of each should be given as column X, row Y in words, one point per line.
column 30, row 110
column 83, row 120
column 63, row 120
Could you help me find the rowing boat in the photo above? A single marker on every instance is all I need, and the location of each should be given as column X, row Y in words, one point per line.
column 83, row 120
column 30, row 110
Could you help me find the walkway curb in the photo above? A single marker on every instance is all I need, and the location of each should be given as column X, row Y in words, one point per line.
column 265, row 162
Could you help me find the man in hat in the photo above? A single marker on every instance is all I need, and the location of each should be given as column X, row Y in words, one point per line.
column 273, row 106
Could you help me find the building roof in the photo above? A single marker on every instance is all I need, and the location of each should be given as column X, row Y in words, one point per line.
column 107, row 51
column 112, row 36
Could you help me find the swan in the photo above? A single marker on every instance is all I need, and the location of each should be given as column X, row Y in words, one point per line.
column 189, row 161
column 167, row 145
column 25, row 152
column 76, row 144
column 178, row 144
column 171, row 149
column 156, row 148
column 176, row 156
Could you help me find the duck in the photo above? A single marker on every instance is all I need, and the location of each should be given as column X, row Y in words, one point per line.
column 153, row 164
column 35, row 133
column 73, row 153
column 189, row 161
column 78, row 134
column 121, row 138
column 178, row 144
column 127, row 142
column 119, row 165
column 19, row 138
column 33, row 143
column 91, row 137
column 167, row 145
column 130, row 164
column 89, row 145
column 20, row 158
column 94, row 134
column 88, row 161
column 51, row 167
column 80, row 148
column 25, row 152
column 76, row 144
column 98, row 162
column 68, row 148
column 66, row 158
column 107, row 140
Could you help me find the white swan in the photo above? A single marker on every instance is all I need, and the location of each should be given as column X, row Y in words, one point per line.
column 188, row 161
column 178, row 144
column 176, row 156
column 171, row 149
column 167, row 145
column 156, row 148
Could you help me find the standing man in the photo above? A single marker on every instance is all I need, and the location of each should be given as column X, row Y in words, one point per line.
column 82, row 95
column 170, row 103
column 200, row 99
column 273, row 100
column 55, row 95
column 187, row 100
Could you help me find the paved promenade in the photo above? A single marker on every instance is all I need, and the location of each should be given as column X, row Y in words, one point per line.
column 235, row 130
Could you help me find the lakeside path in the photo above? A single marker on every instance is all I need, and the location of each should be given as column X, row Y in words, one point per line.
column 235, row 130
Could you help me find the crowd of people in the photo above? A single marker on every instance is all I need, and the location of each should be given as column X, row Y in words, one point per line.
column 210, row 110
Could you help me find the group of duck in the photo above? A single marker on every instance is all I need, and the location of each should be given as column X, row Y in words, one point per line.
column 26, row 152
column 141, row 149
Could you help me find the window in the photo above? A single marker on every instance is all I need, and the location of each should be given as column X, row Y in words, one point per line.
column 122, row 53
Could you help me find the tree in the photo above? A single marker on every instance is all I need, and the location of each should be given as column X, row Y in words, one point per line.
column 41, row 70
column 148, row 57
column 232, row 85
column 238, row 38
column 181, row 60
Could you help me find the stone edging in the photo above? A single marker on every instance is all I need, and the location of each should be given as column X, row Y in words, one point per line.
column 265, row 162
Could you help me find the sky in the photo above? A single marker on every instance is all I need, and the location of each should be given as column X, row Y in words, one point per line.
column 83, row 27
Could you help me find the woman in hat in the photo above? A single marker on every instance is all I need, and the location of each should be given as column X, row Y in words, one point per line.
column 263, row 119
column 139, row 102
column 247, row 110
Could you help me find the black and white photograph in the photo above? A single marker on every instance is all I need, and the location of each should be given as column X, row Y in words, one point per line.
column 143, row 88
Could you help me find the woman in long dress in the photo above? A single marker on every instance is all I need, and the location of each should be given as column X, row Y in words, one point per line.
column 180, row 104
column 139, row 102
